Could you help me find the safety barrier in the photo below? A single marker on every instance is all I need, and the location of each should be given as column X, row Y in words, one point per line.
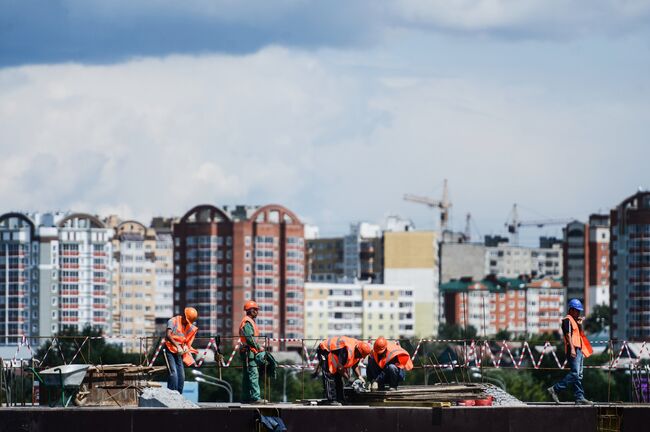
column 480, row 353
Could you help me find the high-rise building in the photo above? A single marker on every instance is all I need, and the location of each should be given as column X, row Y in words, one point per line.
column 630, row 268
column 134, row 281
column 85, row 262
column 599, row 235
column 519, row 306
column 19, row 287
column 586, row 261
column 224, row 257
column 411, row 259
column 362, row 253
column 324, row 261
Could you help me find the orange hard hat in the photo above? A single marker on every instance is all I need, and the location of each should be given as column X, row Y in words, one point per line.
column 364, row 348
column 380, row 345
column 190, row 314
column 250, row 304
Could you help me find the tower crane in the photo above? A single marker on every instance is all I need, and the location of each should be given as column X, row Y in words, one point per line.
column 514, row 224
column 444, row 204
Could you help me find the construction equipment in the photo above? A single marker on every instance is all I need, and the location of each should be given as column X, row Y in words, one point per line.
column 66, row 379
column 444, row 204
column 514, row 223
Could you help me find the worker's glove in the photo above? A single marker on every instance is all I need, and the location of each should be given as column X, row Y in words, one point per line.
column 219, row 358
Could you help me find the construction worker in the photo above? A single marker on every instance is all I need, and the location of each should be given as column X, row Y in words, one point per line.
column 249, row 348
column 178, row 340
column 576, row 348
column 387, row 364
column 337, row 356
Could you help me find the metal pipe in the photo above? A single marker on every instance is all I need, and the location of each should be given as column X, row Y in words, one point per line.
column 204, row 381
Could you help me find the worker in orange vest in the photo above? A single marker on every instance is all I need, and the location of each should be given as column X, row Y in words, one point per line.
column 576, row 348
column 387, row 364
column 337, row 356
column 248, row 349
column 178, row 340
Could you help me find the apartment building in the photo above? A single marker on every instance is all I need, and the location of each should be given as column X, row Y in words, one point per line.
column 360, row 310
column 333, row 309
column 19, row 287
column 389, row 311
column 324, row 262
column 509, row 261
column 520, row 306
column 85, row 263
column 355, row 256
column 586, row 261
column 224, row 257
column 630, row 268
column 134, row 281
column 411, row 259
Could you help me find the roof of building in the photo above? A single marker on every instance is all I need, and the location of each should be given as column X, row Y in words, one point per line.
column 495, row 284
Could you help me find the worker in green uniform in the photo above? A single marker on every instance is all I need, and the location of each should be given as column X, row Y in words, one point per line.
column 248, row 350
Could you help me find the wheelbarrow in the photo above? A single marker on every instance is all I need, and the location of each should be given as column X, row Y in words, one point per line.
column 66, row 378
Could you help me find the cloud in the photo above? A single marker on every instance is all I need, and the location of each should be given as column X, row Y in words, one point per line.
column 96, row 31
column 158, row 136
column 525, row 18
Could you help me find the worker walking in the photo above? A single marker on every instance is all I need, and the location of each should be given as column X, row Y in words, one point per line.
column 576, row 348
column 249, row 348
column 337, row 357
column 178, row 340
column 387, row 364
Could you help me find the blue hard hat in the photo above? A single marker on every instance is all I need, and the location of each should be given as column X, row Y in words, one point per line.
column 576, row 304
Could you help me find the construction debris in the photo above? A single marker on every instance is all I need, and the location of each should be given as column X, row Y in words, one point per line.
column 439, row 394
column 164, row 398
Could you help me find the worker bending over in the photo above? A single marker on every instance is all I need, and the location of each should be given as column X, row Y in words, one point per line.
column 249, row 348
column 178, row 340
column 387, row 364
column 576, row 348
column 337, row 356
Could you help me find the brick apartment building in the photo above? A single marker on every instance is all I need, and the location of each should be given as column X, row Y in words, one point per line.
column 586, row 261
column 520, row 306
column 224, row 257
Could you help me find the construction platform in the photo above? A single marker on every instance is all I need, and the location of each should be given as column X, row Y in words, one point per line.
column 235, row 417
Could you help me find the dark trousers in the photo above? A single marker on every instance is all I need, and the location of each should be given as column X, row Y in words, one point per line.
column 332, row 383
column 390, row 375
column 574, row 377
column 176, row 379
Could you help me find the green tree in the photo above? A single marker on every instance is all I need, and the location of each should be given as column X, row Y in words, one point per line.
column 598, row 319
column 71, row 342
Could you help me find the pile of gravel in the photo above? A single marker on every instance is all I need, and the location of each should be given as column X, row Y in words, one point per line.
column 501, row 397
column 161, row 397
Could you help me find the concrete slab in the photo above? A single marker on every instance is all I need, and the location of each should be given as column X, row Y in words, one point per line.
column 316, row 419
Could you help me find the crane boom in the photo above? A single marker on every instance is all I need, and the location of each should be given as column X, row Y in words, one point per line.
column 444, row 204
column 422, row 200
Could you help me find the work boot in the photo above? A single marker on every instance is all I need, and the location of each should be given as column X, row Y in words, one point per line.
column 335, row 403
column 551, row 391
column 259, row 402
column 584, row 401
column 392, row 389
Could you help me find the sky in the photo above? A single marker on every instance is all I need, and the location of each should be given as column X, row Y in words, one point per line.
column 334, row 109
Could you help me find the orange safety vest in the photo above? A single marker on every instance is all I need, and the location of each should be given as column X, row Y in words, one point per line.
column 578, row 338
column 393, row 350
column 336, row 343
column 242, row 338
column 184, row 336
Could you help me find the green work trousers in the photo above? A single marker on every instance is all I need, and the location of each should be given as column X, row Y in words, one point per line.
column 250, row 382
